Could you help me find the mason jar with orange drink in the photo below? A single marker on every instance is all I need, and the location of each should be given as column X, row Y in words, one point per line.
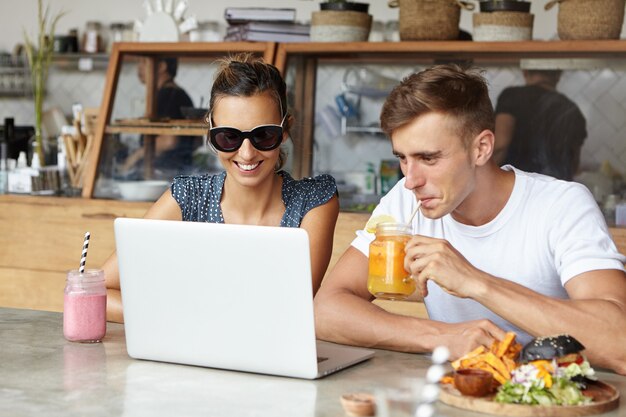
column 387, row 277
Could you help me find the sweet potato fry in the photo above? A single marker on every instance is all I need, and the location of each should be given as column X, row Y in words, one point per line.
column 504, row 344
column 469, row 362
column 447, row 380
column 499, row 359
column 486, row 367
column 498, row 365
column 513, row 351
column 475, row 352
column 509, row 363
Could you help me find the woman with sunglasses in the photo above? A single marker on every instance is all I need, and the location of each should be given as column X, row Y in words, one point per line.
column 248, row 121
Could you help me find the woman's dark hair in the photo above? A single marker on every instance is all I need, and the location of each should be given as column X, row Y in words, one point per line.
column 245, row 75
column 461, row 93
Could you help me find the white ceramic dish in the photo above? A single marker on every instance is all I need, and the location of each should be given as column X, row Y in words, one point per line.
column 149, row 190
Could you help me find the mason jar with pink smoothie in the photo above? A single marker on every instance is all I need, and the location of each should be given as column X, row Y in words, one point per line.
column 84, row 306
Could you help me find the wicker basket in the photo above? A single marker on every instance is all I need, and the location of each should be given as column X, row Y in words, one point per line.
column 428, row 19
column 503, row 26
column 589, row 19
column 340, row 26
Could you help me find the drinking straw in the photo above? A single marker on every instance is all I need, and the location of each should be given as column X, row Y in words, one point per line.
column 83, row 257
column 419, row 204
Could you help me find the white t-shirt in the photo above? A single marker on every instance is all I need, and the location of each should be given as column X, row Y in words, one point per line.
column 548, row 232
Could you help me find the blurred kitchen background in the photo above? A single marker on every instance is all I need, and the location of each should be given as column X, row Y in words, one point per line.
column 348, row 148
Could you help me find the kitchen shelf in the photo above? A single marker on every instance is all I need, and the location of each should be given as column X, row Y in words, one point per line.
column 304, row 59
column 146, row 127
column 81, row 61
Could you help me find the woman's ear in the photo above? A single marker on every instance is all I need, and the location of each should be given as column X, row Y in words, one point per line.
column 483, row 146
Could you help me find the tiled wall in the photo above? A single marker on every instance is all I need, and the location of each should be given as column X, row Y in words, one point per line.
column 600, row 93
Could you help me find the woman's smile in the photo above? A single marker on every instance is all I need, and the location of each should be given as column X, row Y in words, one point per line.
column 249, row 166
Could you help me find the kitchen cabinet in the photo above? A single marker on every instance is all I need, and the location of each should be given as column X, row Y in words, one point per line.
column 300, row 62
column 112, row 124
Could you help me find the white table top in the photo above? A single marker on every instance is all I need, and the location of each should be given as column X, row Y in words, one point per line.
column 42, row 374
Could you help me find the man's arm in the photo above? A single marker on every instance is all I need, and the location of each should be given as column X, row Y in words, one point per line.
column 595, row 313
column 344, row 314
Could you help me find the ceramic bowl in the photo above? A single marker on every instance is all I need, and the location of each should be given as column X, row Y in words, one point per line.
column 358, row 404
column 473, row 382
column 149, row 190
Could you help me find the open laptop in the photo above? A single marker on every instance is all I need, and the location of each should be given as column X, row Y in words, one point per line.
column 223, row 296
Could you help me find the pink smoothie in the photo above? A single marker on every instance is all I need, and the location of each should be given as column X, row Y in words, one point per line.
column 84, row 317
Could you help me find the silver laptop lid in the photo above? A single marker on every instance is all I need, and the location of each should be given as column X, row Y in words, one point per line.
column 224, row 296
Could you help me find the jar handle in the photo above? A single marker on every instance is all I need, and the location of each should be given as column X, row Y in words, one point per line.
column 393, row 3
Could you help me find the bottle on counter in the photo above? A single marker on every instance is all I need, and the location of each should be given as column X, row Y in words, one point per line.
column 116, row 31
column 4, row 173
column 84, row 306
column 609, row 209
column 620, row 213
column 4, row 154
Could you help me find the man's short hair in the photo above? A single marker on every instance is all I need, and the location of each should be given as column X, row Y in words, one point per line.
column 452, row 90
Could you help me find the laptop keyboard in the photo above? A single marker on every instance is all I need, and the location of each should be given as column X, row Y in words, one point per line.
column 321, row 359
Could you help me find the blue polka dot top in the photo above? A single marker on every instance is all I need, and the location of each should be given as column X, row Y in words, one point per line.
column 199, row 196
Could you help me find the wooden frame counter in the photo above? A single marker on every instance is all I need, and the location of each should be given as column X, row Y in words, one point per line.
column 41, row 239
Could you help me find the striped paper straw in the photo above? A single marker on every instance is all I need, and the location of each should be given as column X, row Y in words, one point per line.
column 83, row 257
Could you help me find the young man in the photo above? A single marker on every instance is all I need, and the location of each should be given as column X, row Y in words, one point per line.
column 494, row 249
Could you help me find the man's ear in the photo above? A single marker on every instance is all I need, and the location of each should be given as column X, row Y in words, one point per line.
column 483, row 146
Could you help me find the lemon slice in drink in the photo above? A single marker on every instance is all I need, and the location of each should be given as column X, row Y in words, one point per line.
column 370, row 226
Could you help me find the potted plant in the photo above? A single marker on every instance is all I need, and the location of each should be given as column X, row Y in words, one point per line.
column 39, row 56
column 341, row 21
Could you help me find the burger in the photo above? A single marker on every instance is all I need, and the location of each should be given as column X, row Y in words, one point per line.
column 564, row 349
column 553, row 371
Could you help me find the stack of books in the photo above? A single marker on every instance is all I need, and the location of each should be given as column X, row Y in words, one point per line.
column 264, row 25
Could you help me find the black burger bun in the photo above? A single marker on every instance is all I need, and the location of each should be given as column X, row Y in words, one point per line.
column 550, row 347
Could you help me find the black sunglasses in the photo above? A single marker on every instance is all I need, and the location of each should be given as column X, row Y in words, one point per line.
column 229, row 139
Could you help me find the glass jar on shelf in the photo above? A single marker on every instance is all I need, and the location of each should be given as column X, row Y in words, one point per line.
column 92, row 38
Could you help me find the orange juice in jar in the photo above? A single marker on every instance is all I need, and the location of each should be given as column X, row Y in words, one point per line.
column 387, row 277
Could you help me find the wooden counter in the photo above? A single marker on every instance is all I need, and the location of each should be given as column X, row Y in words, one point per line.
column 42, row 237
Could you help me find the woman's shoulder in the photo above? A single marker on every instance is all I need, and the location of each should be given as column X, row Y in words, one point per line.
column 319, row 183
column 302, row 195
column 198, row 180
column 196, row 184
column 307, row 193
